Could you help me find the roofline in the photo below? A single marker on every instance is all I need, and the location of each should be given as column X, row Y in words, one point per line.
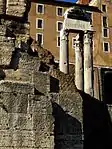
column 68, row 4
column 55, row 2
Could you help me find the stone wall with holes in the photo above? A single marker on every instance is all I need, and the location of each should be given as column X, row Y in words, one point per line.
column 34, row 119
column 40, row 107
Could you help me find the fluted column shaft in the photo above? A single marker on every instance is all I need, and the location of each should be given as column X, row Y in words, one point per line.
column 64, row 57
column 88, row 63
column 78, row 64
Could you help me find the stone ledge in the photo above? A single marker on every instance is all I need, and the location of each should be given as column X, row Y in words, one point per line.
column 16, row 86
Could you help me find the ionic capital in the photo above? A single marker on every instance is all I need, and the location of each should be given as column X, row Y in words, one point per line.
column 64, row 34
column 78, row 44
column 88, row 37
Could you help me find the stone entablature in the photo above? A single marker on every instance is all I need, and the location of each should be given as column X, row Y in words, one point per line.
column 77, row 25
column 77, row 20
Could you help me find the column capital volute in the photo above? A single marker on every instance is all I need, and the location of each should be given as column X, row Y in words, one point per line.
column 64, row 34
column 77, row 42
column 88, row 35
column 77, row 46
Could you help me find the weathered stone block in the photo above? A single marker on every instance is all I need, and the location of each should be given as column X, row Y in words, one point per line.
column 2, row 7
column 14, row 102
column 28, row 63
column 19, row 75
column 18, row 87
column 13, row 7
column 42, row 82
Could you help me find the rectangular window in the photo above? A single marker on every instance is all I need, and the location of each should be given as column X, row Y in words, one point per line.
column 105, row 32
column 39, row 38
column 104, row 8
column 58, row 41
column 59, row 11
column 39, row 23
column 59, row 25
column 106, row 47
column 40, row 8
column 105, row 22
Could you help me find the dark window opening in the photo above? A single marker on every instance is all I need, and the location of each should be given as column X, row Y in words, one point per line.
column 104, row 21
column 106, row 47
column 108, row 87
column 105, row 32
column 40, row 9
column 60, row 24
column 39, row 38
column 39, row 23
column 60, row 12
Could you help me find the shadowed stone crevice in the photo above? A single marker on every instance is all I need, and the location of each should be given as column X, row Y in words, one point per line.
column 67, row 129
column 28, row 6
column 97, row 123
column 43, row 67
column 3, row 107
column 36, row 92
column 15, row 59
column 54, row 85
column 106, row 78
column 9, row 33
column 2, row 74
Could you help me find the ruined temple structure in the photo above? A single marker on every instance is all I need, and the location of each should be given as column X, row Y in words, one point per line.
column 40, row 107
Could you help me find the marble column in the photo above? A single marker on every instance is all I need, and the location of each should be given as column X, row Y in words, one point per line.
column 88, row 63
column 78, row 63
column 64, row 57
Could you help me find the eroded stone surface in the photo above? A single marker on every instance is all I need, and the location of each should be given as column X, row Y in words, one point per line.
column 14, row 7
column 40, row 107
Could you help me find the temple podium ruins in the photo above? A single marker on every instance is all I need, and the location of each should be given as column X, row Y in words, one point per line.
column 77, row 20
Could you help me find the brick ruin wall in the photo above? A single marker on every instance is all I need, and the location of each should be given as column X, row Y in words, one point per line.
column 40, row 107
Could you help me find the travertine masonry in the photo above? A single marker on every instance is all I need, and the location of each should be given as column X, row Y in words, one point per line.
column 40, row 107
column 13, row 7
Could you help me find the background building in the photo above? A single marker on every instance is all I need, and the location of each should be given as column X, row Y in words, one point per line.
column 102, row 39
column 46, row 19
column 102, row 51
